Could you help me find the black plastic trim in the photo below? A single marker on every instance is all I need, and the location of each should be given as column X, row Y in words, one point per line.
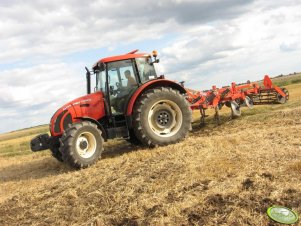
column 57, row 128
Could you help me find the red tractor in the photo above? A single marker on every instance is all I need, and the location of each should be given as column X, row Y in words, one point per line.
column 128, row 101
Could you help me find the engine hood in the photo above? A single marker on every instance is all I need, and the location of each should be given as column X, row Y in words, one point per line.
column 88, row 106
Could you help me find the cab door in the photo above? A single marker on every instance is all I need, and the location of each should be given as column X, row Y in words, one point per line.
column 122, row 81
column 118, row 92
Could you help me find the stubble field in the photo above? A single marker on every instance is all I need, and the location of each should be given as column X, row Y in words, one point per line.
column 220, row 175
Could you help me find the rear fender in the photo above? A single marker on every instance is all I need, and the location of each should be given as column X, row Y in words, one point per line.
column 151, row 85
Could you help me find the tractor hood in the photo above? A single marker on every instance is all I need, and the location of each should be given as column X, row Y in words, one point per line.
column 88, row 106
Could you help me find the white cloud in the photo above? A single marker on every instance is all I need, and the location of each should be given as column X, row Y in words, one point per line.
column 240, row 49
column 57, row 28
column 30, row 96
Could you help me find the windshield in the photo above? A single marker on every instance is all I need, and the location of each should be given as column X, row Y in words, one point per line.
column 146, row 69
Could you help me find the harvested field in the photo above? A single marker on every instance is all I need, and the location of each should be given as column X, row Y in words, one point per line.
column 219, row 175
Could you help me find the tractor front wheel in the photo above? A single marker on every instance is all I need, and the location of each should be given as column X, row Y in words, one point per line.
column 55, row 152
column 81, row 144
column 162, row 116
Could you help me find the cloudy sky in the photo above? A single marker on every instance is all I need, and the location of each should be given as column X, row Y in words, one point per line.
column 44, row 45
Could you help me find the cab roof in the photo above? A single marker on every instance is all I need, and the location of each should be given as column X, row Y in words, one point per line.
column 131, row 55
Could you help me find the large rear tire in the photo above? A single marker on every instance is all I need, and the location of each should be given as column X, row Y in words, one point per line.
column 133, row 138
column 81, row 145
column 162, row 116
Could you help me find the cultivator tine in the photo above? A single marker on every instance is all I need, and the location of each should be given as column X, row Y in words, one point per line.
column 203, row 115
column 216, row 116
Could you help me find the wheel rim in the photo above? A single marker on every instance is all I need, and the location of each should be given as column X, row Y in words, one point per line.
column 165, row 118
column 86, row 145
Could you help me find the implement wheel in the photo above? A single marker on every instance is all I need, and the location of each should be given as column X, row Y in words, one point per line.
column 81, row 145
column 162, row 116
column 286, row 93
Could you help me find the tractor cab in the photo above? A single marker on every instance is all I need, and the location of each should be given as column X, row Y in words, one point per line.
column 119, row 77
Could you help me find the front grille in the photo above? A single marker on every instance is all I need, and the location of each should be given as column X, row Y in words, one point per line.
column 67, row 121
column 57, row 128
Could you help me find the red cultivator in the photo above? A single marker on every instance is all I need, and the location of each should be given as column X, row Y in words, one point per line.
column 234, row 96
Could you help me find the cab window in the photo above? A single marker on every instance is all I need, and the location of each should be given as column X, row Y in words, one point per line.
column 146, row 69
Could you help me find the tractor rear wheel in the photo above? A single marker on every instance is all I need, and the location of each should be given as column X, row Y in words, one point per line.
column 133, row 138
column 162, row 116
column 81, row 144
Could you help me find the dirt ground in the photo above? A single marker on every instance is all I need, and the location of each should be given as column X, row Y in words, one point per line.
column 219, row 175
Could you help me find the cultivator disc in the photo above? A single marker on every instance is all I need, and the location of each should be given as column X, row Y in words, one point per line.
column 249, row 102
column 235, row 108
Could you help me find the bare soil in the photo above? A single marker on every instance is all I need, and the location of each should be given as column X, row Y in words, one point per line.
column 219, row 175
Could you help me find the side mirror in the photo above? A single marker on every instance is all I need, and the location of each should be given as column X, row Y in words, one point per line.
column 155, row 61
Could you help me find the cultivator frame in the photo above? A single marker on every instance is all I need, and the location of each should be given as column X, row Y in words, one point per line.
column 235, row 96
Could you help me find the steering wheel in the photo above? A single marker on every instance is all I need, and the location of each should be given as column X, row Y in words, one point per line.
column 118, row 85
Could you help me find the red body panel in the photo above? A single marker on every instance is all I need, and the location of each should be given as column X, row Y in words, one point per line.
column 152, row 83
column 91, row 106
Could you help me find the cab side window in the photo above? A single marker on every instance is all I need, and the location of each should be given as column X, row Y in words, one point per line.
column 113, row 78
column 123, row 70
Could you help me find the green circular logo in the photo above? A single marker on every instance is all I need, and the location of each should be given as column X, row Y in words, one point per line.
column 282, row 215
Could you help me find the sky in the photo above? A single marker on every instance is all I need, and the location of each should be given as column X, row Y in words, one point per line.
column 45, row 45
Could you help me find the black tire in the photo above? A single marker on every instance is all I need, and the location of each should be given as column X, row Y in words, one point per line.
column 81, row 145
column 55, row 152
column 133, row 138
column 158, row 111
column 55, row 149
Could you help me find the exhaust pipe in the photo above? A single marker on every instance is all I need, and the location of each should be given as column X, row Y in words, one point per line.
column 88, row 76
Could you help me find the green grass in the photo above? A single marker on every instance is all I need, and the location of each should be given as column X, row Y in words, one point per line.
column 24, row 132
column 15, row 149
column 288, row 82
